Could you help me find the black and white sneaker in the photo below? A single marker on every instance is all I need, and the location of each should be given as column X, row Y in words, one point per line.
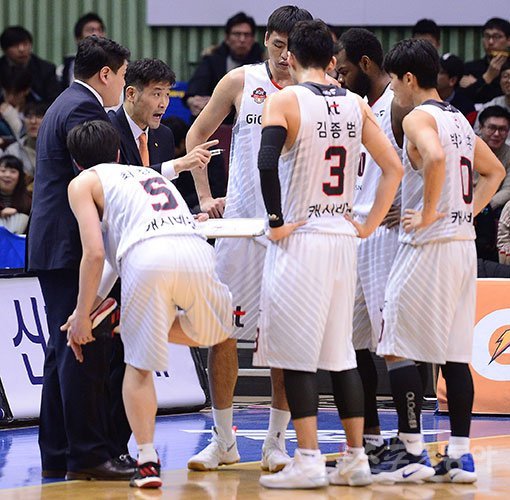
column 147, row 475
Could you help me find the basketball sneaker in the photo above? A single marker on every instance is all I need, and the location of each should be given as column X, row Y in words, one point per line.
column 147, row 475
column 301, row 472
column 351, row 470
column 274, row 457
column 217, row 453
column 399, row 466
column 454, row 470
column 104, row 319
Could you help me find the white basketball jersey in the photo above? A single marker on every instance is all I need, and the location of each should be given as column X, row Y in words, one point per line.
column 139, row 204
column 244, row 197
column 369, row 172
column 317, row 174
column 456, row 200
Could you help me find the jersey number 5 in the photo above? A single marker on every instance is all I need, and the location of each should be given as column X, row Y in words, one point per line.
column 149, row 187
column 335, row 170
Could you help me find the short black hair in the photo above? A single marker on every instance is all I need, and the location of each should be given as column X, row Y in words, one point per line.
column 311, row 43
column 35, row 108
column 93, row 142
column 94, row 53
column 85, row 19
column 13, row 35
column 493, row 112
column 496, row 23
column 11, row 161
column 142, row 72
column 178, row 126
column 452, row 65
column 415, row 56
column 505, row 67
column 427, row 27
column 284, row 18
column 16, row 79
column 359, row 42
column 239, row 18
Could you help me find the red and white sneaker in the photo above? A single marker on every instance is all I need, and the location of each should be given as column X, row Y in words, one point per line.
column 147, row 475
column 104, row 318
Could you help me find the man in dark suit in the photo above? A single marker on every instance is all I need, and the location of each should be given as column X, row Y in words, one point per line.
column 16, row 43
column 74, row 421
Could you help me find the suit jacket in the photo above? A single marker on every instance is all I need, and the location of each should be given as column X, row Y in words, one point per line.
column 160, row 142
column 53, row 237
column 45, row 84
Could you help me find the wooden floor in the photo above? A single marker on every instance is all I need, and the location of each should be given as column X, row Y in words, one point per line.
column 492, row 457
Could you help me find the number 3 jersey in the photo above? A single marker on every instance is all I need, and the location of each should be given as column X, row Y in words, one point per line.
column 456, row 201
column 318, row 172
column 139, row 204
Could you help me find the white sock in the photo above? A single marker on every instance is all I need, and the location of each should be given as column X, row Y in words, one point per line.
column 278, row 422
column 309, row 455
column 412, row 442
column 223, row 422
column 374, row 439
column 354, row 451
column 458, row 446
column 147, row 453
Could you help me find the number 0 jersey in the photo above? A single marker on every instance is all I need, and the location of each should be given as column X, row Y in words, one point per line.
column 318, row 172
column 456, row 201
column 139, row 204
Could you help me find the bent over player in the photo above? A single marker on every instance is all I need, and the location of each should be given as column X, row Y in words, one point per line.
column 310, row 269
column 430, row 297
column 139, row 221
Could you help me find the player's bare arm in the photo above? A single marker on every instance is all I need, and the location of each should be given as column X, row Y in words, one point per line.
column 280, row 110
column 227, row 93
column 425, row 152
column 492, row 172
column 379, row 147
column 83, row 205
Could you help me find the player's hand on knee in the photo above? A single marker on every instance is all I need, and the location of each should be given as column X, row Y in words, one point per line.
column 214, row 207
column 392, row 218
column 415, row 219
column 198, row 157
column 278, row 233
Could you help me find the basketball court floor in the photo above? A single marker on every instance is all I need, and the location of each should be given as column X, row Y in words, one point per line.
column 180, row 436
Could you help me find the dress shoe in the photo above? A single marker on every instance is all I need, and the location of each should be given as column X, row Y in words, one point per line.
column 53, row 474
column 126, row 460
column 109, row 471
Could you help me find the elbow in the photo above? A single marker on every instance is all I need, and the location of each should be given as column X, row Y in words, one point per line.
column 94, row 256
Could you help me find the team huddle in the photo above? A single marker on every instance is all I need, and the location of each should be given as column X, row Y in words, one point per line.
column 369, row 200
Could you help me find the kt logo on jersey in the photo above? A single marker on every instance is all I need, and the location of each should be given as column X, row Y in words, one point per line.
column 259, row 95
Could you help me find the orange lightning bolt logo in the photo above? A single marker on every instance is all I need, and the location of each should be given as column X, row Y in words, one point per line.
column 503, row 343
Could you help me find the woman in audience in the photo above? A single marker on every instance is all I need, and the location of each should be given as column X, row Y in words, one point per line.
column 15, row 200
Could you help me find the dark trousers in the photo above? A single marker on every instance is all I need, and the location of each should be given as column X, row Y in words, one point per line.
column 74, row 429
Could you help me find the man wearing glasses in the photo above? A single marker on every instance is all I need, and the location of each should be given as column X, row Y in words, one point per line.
column 481, row 79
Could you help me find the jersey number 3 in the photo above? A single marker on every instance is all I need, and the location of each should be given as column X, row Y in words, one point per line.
column 336, row 169
column 149, row 186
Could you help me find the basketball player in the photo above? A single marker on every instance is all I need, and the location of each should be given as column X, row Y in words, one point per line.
column 430, row 297
column 138, row 220
column 359, row 63
column 240, row 263
column 309, row 274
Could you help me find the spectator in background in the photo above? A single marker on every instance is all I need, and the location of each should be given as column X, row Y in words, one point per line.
column 494, row 127
column 502, row 100
column 427, row 29
column 15, row 200
column 16, row 43
column 503, row 239
column 24, row 148
column 88, row 24
column 450, row 72
column 184, row 183
column 238, row 48
column 481, row 79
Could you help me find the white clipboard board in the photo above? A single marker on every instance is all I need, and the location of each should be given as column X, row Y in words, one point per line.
column 232, row 228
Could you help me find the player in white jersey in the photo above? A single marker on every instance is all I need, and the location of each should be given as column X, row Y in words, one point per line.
column 310, row 269
column 137, row 219
column 240, row 263
column 430, row 296
column 359, row 66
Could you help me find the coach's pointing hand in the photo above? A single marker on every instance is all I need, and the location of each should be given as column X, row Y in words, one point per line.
column 198, row 157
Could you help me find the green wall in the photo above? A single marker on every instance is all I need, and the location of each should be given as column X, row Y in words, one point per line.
column 51, row 22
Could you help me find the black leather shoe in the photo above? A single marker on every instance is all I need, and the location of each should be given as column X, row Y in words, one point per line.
column 109, row 471
column 126, row 460
column 53, row 474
